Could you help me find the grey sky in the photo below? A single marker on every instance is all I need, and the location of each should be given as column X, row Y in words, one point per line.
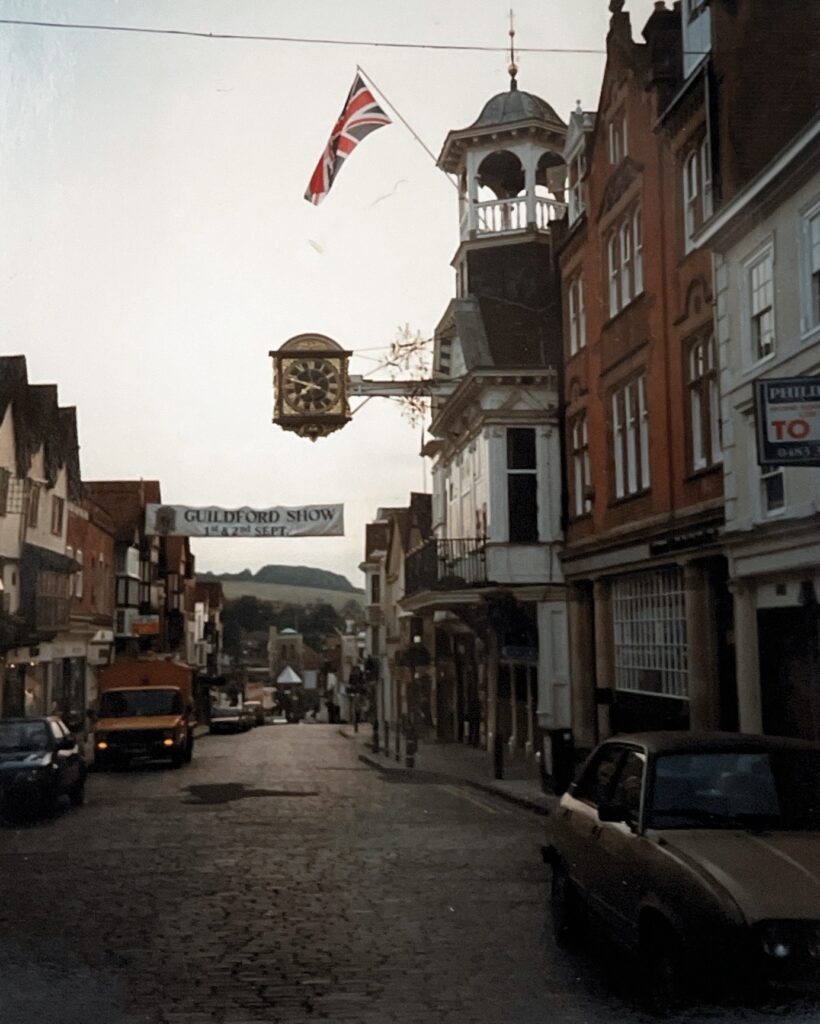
column 155, row 243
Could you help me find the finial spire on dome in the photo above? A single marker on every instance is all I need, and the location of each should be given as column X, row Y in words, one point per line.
column 513, row 68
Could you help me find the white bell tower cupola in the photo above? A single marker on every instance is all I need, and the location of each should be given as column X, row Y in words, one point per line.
column 511, row 174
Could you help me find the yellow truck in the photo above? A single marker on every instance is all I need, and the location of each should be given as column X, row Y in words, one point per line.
column 144, row 711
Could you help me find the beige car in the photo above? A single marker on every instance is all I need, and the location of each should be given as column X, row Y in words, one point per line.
column 699, row 852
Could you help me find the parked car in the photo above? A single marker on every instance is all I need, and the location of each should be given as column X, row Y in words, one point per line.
column 40, row 761
column 698, row 852
column 256, row 709
column 230, row 719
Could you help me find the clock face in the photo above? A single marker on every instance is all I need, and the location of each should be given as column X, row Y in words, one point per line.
column 311, row 385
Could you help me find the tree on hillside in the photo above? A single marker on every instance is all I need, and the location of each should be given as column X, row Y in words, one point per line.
column 320, row 621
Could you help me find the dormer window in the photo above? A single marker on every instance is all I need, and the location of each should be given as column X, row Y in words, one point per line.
column 617, row 139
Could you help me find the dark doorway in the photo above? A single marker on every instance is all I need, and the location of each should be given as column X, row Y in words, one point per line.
column 790, row 671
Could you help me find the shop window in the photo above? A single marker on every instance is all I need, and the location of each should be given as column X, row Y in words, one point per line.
column 649, row 625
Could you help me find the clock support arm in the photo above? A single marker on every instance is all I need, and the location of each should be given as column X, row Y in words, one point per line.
column 358, row 387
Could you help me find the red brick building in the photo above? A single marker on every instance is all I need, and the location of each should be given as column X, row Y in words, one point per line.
column 90, row 543
column 642, row 424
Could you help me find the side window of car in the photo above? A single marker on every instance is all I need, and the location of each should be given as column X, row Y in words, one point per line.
column 629, row 783
column 595, row 784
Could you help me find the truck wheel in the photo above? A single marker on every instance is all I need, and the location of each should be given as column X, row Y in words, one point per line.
column 177, row 758
column 189, row 748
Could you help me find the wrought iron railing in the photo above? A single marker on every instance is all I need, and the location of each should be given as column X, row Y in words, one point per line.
column 451, row 564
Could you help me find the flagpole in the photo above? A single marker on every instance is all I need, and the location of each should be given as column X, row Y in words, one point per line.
column 420, row 141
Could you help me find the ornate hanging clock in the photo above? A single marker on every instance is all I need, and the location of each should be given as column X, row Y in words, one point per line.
column 310, row 385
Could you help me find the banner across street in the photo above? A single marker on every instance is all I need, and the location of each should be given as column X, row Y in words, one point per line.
column 213, row 521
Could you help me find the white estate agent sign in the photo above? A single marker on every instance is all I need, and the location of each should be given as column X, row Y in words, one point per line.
column 788, row 421
column 212, row 521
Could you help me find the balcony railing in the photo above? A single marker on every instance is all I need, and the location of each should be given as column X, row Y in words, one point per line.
column 452, row 564
column 501, row 216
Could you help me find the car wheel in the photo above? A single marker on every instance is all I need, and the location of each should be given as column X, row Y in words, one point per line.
column 662, row 975
column 566, row 910
column 77, row 794
column 177, row 758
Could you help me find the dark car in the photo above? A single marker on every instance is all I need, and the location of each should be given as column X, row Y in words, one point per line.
column 231, row 719
column 700, row 853
column 40, row 761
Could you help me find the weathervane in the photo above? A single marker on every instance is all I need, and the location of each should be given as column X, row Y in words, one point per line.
column 513, row 68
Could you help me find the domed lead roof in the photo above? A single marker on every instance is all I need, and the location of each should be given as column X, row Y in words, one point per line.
column 515, row 105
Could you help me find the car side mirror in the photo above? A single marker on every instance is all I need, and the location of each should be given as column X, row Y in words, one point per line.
column 613, row 812
column 67, row 743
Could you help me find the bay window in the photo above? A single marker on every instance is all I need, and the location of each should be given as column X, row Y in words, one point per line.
column 522, row 485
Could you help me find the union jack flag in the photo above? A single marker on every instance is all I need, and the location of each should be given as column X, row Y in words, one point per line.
column 360, row 116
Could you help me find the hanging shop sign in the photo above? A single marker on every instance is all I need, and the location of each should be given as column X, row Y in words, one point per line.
column 788, row 421
column 212, row 521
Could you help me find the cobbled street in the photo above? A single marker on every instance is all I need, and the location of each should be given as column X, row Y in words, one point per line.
column 278, row 879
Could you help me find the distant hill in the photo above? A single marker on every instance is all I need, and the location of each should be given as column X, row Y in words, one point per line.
column 281, row 593
column 288, row 576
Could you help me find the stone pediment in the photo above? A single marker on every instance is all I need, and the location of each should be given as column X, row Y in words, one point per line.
column 619, row 181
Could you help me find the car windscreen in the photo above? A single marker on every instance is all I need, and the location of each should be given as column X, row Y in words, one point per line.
column 759, row 789
column 23, row 736
column 225, row 713
column 140, row 703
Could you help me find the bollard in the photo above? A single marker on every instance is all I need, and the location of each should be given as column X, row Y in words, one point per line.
column 498, row 755
column 410, row 748
column 374, row 746
column 387, row 739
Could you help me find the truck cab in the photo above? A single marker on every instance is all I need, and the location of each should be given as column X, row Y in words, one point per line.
column 144, row 712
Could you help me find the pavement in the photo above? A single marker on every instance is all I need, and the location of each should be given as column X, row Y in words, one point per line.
column 459, row 763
